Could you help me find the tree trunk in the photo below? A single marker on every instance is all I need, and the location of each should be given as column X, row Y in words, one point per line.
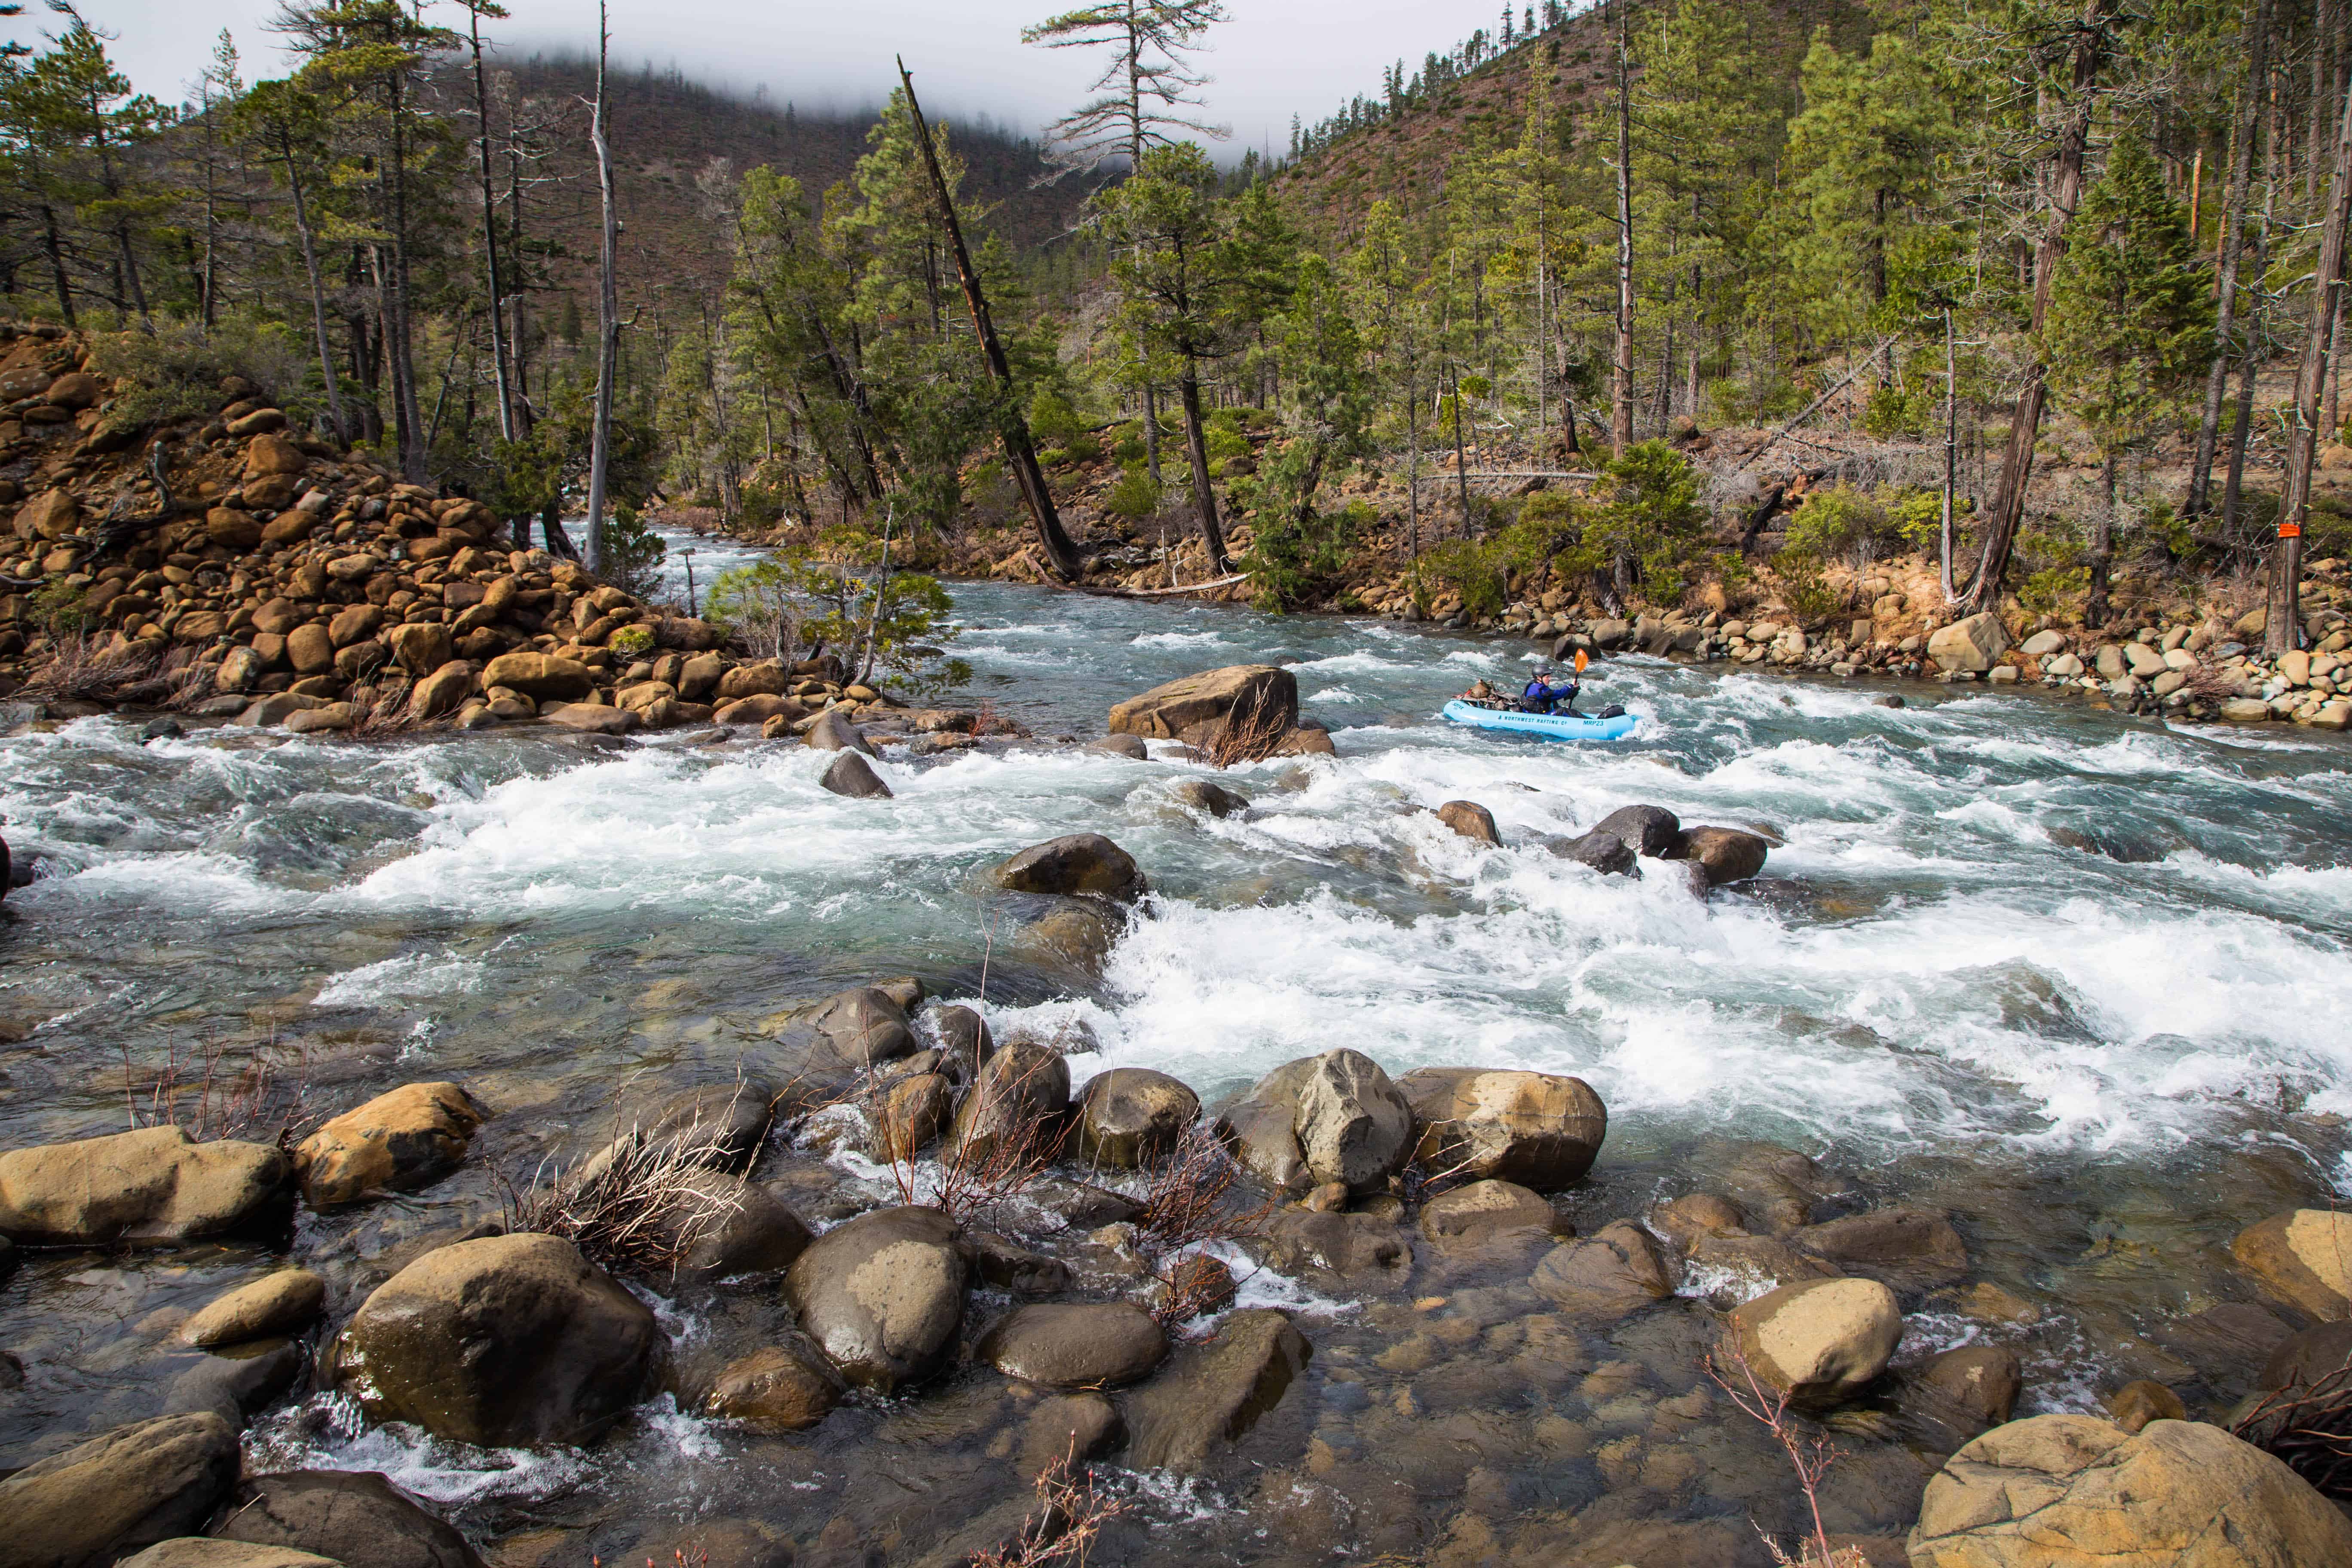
column 403, row 343
column 2089, row 52
column 1196, row 445
column 500, row 367
column 318, row 295
column 2241, row 428
column 1620, row 391
column 56, row 252
column 2103, row 547
column 1951, row 453
column 1061, row 554
column 608, row 312
column 2285, row 628
column 2233, row 235
column 1461, row 463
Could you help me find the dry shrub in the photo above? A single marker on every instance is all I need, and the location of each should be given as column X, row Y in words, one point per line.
column 2208, row 684
column 2309, row 1426
column 1070, row 1513
column 639, row 1212
column 1188, row 1198
column 82, row 668
column 1250, row 737
column 972, row 1181
column 265, row 1101
column 1809, row 1455
column 387, row 715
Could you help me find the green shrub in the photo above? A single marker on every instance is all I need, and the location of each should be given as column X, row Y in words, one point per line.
column 1805, row 584
column 1053, row 422
column 1054, row 457
column 1471, row 569
column 1083, row 449
column 177, row 373
column 631, row 641
column 1134, row 496
column 2048, row 591
column 1892, row 413
column 59, row 609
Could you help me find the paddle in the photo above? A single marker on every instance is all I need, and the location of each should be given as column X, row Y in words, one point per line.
column 1581, row 660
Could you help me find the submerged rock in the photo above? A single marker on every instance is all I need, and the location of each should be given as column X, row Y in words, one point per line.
column 126, row 1489
column 238, row 1382
column 356, row 1517
column 1075, row 1344
column 502, row 1341
column 1215, row 800
column 883, row 1295
column 154, row 1186
column 274, row 1304
column 2075, row 1489
column 1484, row 1212
column 1210, row 1395
column 776, row 1389
column 407, row 1138
column 1541, row 1130
column 1611, row 1275
column 206, row 1551
column 1910, row 1249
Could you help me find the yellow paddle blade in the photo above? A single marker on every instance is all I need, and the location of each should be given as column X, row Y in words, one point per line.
column 1581, row 661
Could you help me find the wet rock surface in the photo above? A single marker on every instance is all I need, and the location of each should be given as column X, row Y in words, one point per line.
column 883, row 1295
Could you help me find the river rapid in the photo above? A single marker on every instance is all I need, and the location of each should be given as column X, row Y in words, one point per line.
column 2078, row 978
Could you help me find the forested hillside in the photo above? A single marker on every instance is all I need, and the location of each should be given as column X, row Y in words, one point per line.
column 1719, row 300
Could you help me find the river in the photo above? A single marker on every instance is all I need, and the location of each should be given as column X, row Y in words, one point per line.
column 2078, row 978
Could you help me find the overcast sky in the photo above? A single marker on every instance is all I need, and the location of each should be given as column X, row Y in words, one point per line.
column 1275, row 58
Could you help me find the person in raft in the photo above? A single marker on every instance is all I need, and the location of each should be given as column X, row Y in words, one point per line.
column 1542, row 697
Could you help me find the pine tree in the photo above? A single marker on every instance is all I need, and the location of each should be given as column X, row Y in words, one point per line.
column 2131, row 323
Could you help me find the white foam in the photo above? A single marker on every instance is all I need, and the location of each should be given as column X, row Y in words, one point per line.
column 414, row 974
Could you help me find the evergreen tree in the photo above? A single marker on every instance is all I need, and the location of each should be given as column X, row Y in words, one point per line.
column 2131, row 323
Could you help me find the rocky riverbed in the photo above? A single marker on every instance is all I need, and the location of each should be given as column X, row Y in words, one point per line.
column 1526, row 1125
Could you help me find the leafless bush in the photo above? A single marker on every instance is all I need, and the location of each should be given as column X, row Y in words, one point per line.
column 178, row 683
column 1070, row 1513
column 1250, row 737
column 640, row 1211
column 1809, row 1457
column 1188, row 1198
column 974, row 1177
column 2308, row 1426
column 1192, row 1286
column 81, row 668
column 387, row 715
column 2207, row 683
column 265, row 1101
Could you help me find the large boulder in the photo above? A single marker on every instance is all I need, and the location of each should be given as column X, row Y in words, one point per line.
column 356, row 1517
column 1971, row 642
column 1541, row 1130
column 1471, row 820
column 277, row 1304
column 542, row 677
column 1075, row 1344
column 2304, row 1256
column 1021, row 1097
column 1075, row 863
column 1648, row 830
column 153, row 1186
column 1211, row 1395
column 1343, row 1120
column 883, row 1295
column 1259, row 694
column 1130, row 1117
column 1602, row 852
column 1611, row 1274
column 1726, row 854
column 833, row 732
column 2073, row 1490
column 405, row 1139
column 777, row 1388
column 1820, row 1341
column 720, row 1125
column 506, row 1340
column 851, row 774
column 108, row 1497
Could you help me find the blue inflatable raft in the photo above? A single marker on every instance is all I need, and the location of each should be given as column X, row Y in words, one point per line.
column 1543, row 726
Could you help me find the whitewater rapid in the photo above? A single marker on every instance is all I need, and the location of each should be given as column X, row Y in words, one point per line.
column 1994, row 919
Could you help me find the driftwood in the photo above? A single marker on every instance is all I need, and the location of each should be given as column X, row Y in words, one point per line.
column 1774, row 500
column 1815, row 406
column 1161, row 593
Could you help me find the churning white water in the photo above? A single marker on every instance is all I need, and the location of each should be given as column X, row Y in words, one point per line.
column 1994, row 918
